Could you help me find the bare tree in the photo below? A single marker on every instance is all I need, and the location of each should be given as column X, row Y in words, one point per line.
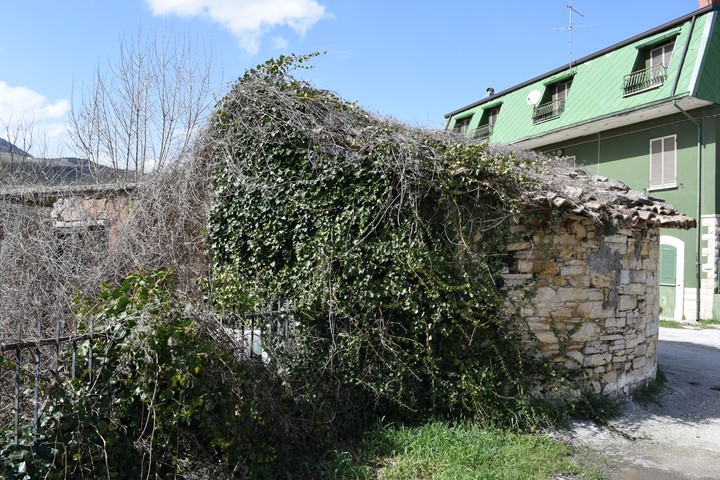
column 18, row 134
column 144, row 111
column 142, row 114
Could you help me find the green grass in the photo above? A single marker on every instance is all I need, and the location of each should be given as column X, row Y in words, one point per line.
column 671, row 324
column 714, row 324
column 441, row 452
column 709, row 323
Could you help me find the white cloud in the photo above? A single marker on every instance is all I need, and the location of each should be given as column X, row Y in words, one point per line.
column 247, row 20
column 24, row 112
column 27, row 103
column 279, row 43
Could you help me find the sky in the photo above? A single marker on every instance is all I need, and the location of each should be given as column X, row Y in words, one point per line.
column 413, row 61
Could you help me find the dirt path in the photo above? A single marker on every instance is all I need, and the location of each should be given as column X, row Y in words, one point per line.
column 677, row 439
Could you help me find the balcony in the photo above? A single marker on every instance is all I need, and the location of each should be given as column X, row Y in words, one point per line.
column 548, row 111
column 483, row 131
column 643, row 80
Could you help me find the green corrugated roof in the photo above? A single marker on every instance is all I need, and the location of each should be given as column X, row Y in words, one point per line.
column 597, row 86
column 708, row 84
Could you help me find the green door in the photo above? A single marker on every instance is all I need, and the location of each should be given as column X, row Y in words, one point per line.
column 668, row 280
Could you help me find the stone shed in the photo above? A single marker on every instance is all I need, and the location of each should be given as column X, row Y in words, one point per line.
column 584, row 275
column 95, row 211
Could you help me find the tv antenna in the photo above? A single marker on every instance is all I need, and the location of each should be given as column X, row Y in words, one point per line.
column 571, row 11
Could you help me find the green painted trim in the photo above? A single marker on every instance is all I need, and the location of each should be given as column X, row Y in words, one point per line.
column 659, row 39
column 677, row 23
column 490, row 106
column 619, row 113
column 704, row 53
column 560, row 77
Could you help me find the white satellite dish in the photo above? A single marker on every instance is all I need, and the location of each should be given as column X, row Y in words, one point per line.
column 533, row 97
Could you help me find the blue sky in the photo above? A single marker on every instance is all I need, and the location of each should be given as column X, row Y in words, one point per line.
column 414, row 61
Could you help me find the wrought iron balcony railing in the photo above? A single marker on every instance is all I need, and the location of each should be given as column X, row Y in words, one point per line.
column 483, row 131
column 645, row 79
column 548, row 111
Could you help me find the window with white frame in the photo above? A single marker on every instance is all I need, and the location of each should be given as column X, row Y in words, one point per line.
column 661, row 55
column 663, row 162
column 561, row 91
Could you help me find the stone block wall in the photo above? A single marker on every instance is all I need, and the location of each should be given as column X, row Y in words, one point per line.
column 588, row 296
column 78, row 211
column 709, row 255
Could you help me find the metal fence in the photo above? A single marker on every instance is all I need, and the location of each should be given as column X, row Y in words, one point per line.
column 548, row 111
column 645, row 79
column 30, row 366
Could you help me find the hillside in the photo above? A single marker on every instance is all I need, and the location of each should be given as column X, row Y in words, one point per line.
column 7, row 147
column 19, row 166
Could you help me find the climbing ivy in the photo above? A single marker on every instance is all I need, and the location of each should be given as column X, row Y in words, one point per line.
column 168, row 397
column 390, row 238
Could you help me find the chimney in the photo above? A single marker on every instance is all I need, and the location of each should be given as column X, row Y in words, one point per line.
column 705, row 3
column 491, row 91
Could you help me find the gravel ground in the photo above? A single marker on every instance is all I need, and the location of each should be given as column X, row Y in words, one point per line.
column 679, row 437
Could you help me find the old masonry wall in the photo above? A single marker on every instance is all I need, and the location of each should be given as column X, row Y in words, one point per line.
column 588, row 294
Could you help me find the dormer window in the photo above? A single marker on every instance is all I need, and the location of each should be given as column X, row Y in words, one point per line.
column 487, row 122
column 462, row 124
column 553, row 102
column 650, row 70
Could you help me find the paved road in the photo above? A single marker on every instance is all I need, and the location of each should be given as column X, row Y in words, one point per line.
column 679, row 438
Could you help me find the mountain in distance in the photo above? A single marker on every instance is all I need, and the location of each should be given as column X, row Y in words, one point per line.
column 7, row 147
column 22, row 166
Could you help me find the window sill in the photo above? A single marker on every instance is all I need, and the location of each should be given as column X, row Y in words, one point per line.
column 656, row 188
column 643, row 90
column 544, row 119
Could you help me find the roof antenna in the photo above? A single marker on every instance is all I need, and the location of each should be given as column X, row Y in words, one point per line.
column 569, row 28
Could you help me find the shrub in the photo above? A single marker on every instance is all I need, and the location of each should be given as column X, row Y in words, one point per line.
column 168, row 396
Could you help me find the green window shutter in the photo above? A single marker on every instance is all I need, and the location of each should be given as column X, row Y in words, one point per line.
column 668, row 260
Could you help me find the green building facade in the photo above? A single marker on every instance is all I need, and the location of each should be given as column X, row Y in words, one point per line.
column 644, row 111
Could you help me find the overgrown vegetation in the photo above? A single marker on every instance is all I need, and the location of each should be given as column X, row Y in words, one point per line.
column 170, row 395
column 651, row 392
column 390, row 239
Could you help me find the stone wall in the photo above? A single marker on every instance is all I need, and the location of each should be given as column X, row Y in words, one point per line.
column 83, row 212
column 593, row 303
column 709, row 256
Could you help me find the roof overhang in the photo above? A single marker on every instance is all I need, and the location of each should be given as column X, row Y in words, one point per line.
column 616, row 120
column 48, row 195
column 666, row 26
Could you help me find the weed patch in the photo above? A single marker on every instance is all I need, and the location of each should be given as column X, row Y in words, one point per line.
column 671, row 324
column 442, row 451
column 710, row 324
column 650, row 393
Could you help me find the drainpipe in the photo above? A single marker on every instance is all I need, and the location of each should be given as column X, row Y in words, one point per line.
column 699, row 204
